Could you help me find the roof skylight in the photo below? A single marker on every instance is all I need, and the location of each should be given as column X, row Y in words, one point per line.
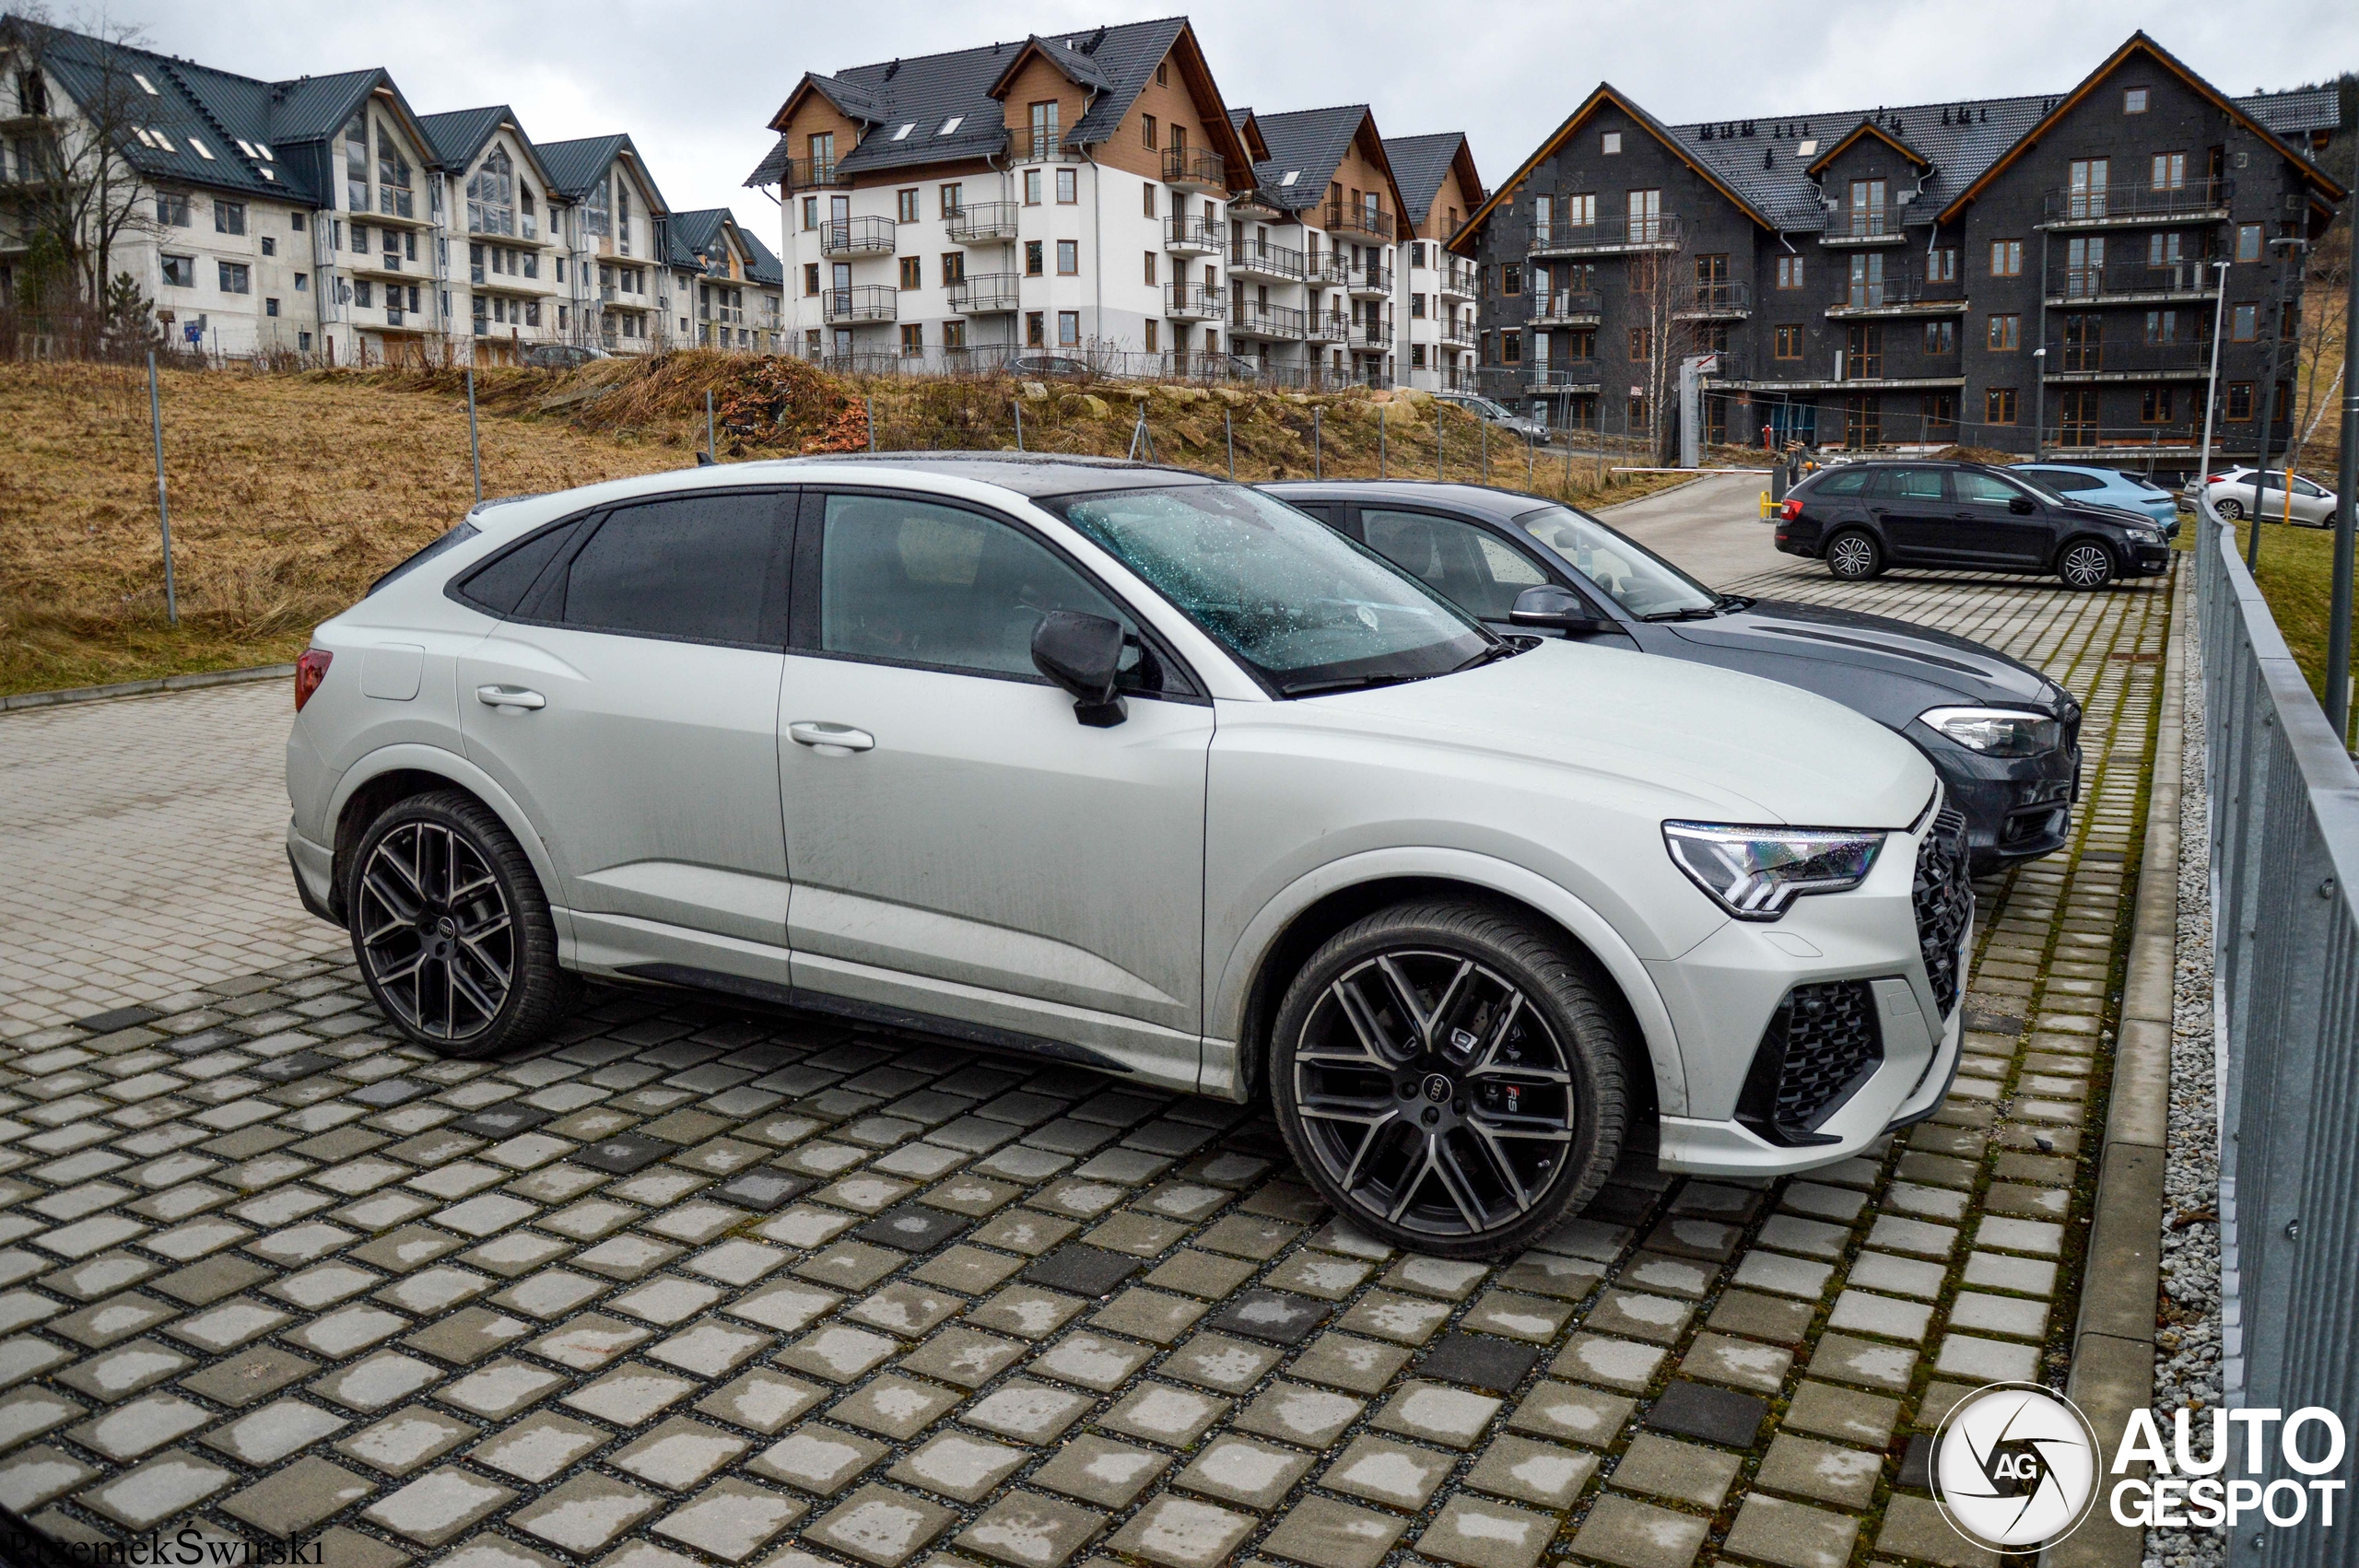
column 201, row 149
column 903, row 134
column 950, row 125
column 147, row 85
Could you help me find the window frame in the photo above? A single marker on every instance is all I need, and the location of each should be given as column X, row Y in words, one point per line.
column 2006, row 258
column 2005, row 333
column 1787, row 342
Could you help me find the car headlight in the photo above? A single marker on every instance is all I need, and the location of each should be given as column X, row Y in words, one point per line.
column 1997, row 732
column 1754, row 872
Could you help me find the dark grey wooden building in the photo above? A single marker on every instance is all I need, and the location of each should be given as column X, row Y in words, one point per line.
column 2021, row 273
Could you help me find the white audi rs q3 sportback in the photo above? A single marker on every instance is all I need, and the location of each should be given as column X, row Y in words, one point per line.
column 1122, row 765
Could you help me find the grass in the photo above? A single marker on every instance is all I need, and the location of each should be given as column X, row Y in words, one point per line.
column 290, row 493
column 2296, row 577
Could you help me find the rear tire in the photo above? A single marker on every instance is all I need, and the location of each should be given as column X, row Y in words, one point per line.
column 2086, row 565
column 1854, row 556
column 2232, row 511
column 451, row 930
column 1449, row 1077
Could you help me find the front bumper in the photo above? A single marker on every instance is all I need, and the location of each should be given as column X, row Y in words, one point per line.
column 2016, row 808
column 2147, row 560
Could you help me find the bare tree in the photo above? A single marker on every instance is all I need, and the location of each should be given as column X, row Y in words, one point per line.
column 2318, row 334
column 1660, row 280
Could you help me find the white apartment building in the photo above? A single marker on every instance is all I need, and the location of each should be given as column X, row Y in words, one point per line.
column 1438, row 183
column 724, row 285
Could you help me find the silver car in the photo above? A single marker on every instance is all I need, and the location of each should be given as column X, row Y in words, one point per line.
column 2232, row 494
column 1117, row 765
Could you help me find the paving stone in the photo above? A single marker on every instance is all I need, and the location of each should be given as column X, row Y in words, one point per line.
column 731, row 1519
column 589, row 1341
column 1483, row 1534
column 1098, row 1470
column 1407, row 1320
column 1769, row 1530
column 1898, row 1276
column 880, row 1524
column 1452, row 1416
column 967, row 1270
column 1572, row 1278
column 118, row 1373
column 1847, row 1359
column 1479, row 1361
column 912, row 1227
column 1148, row 1315
column 1202, row 1274
column 1156, row 1411
column 166, row 1485
column 893, row 1406
column 33, row 1476
column 2026, row 1276
column 1842, row 1413
column 962, row 1357
column 1293, row 1412
column 629, row 1395
column 1862, row 1312
column 1638, row 1315
column 1031, row 1412
column 762, row 1401
column 584, row 1515
column 1987, row 1361
column 400, row 1441
column 819, row 1459
column 1181, row 1532
column 1760, row 1316
column 1082, row 1269
column 1616, row 1363
column 1327, row 1534
column 1680, row 1472
column 1274, row 1315
column 1630, row 1533
column 438, row 1506
column 252, row 1374
column 1999, row 1315
column 1343, row 1360
column 1533, row 1473
column 957, row 1466
column 1806, row 1468
column 1091, row 1360
column 1716, row 1415
column 1215, row 1361
column 299, row 1497
column 1914, row 1529
column 1029, row 1530
column 1809, row 1238
column 141, row 1426
column 679, row 1453
column 784, row 1306
column 838, row 1352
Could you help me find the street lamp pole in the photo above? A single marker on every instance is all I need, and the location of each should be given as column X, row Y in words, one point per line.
column 2211, row 387
column 2346, row 492
column 2038, row 401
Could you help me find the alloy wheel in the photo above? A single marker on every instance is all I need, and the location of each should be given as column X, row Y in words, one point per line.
column 1852, row 557
column 1434, row 1093
column 435, row 930
column 2086, row 566
column 2232, row 510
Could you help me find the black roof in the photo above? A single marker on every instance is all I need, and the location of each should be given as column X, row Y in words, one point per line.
column 1306, row 145
column 573, row 167
column 1419, row 165
column 691, row 235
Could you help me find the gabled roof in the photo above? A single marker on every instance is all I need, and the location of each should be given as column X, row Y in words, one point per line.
column 459, row 138
column 1066, row 54
column 1817, row 166
column 694, row 241
column 571, row 167
column 1422, row 163
column 1308, row 145
column 2139, row 43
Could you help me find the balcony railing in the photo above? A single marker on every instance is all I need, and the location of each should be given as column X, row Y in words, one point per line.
column 1192, row 301
column 1363, row 334
column 1564, row 375
column 1259, row 256
column 986, row 294
column 1328, row 269
column 863, row 302
column 1344, row 218
column 1662, row 232
column 1193, row 237
column 1256, row 319
column 2137, row 203
column 2133, row 280
column 985, row 223
column 1458, row 280
column 1040, row 146
column 1704, row 300
column 810, row 173
column 1326, row 326
column 1895, row 287
column 856, row 236
column 1863, row 225
column 1370, row 278
column 1195, row 168
column 1461, row 334
column 1565, row 306
column 2128, row 358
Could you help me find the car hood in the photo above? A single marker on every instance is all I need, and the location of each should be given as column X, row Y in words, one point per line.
column 1875, row 643
column 1710, row 742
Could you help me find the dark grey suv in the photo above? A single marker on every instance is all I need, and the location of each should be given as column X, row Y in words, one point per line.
column 1863, row 517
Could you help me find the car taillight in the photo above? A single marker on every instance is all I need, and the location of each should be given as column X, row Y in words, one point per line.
column 1793, row 507
column 310, row 670
column 2217, row 479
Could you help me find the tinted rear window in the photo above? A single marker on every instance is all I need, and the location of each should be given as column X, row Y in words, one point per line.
column 500, row 586
column 695, row 566
column 452, row 539
column 1848, row 483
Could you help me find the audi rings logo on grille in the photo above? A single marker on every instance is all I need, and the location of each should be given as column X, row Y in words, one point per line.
column 2015, row 1467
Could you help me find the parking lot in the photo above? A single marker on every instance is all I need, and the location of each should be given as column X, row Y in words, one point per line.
column 695, row 1286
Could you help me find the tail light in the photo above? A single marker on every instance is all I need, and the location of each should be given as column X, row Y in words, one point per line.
column 310, row 670
column 1792, row 507
column 2216, row 479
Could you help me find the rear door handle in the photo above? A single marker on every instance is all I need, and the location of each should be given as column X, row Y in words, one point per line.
column 829, row 740
column 521, row 698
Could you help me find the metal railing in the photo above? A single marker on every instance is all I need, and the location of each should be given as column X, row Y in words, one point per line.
column 1896, row 283
column 805, row 173
column 1566, row 305
column 1252, row 316
column 1458, row 333
column 1330, row 268
column 1326, row 326
column 1661, row 231
column 1712, row 300
column 1458, row 280
column 984, row 223
column 1366, row 335
column 1260, row 256
column 1344, row 218
column 856, row 236
column 1370, row 277
column 1191, row 300
column 1195, row 166
column 2188, row 357
column 863, row 302
column 2195, row 280
column 986, row 293
column 2284, row 828
column 2117, row 203
column 1194, row 236
column 991, row 359
column 1040, row 146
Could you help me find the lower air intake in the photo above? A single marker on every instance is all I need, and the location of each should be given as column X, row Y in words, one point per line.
column 1821, row 1044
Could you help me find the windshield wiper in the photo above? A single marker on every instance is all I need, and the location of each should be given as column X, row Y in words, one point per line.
column 1348, row 683
column 1702, row 612
column 1500, row 650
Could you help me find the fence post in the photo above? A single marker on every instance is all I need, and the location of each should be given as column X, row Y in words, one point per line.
column 1483, row 430
column 1228, row 434
column 163, row 506
column 708, row 449
column 1380, row 440
column 1441, row 434
column 1018, row 406
column 1318, row 459
column 475, row 442
column 1530, row 459
column 868, row 406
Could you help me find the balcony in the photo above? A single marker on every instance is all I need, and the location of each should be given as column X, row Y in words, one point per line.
column 1458, row 280
column 2093, row 362
column 1327, row 271
column 1193, row 237
column 1192, row 301
column 1608, row 237
column 1343, row 218
column 1370, row 280
column 812, row 173
column 1565, row 375
column 856, row 236
column 2204, row 201
column 1041, row 146
column 985, row 223
column 1250, row 317
column 1195, row 169
column 1567, row 308
column 1326, row 326
column 1364, row 336
column 2133, row 283
column 1864, row 228
column 863, row 302
column 1459, row 334
column 990, row 294
column 1900, row 291
column 1261, row 259
column 1712, row 303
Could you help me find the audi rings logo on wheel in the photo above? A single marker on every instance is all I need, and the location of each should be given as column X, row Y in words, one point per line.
column 2015, row 1467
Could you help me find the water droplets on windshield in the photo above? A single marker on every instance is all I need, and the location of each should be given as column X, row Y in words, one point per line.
column 1640, row 581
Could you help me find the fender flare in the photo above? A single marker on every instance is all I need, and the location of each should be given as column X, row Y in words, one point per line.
column 1227, row 999
column 416, row 757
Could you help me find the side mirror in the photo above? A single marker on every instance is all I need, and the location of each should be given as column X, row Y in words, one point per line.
column 1082, row 653
column 2021, row 506
column 1559, row 609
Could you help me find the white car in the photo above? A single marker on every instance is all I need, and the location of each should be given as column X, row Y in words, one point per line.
column 1117, row 764
column 2231, row 493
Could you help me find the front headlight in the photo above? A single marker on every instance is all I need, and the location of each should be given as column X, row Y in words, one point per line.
column 1997, row 732
column 1754, row 872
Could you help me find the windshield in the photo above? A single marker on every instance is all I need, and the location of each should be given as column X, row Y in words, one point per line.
column 1640, row 581
column 2038, row 481
column 1291, row 597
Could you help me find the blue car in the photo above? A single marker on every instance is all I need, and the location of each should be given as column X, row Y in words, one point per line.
column 2106, row 487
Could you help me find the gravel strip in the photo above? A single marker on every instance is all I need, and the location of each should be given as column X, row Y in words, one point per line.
column 2187, row 1348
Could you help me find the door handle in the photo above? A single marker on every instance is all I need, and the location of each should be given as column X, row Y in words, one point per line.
column 829, row 740
column 519, row 697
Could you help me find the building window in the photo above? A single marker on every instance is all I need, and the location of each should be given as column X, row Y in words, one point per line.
column 953, row 336
column 810, row 213
column 1150, row 269
column 1641, row 343
column 1146, row 131
column 905, row 207
column 1581, row 343
column 269, row 246
column 912, row 340
column 1417, row 306
column 2162, row 327
column 1068, row 186
column 172, row 208
column 2006, row 333
column 2244, row 323
column 953, row 199
column 1031, row 187
column 229, row 217
column 302, row 283
column 1068, row 258
column 2170, row 171
column 295, row 222
column 2247, row 241
column 1510, row 348
column 1068, row 329
column 303, row 341
column 2154, row 406
column 912, row 271
column 1417, row 356
column 2006, row 258
column 1032, row 262
column 810, row 279
column 234, row 276
column 1790, row 342
column 954, row 267
column 2134, row 100
column 1036, row 329
column 180, row 272
column 1163, row 73
column 1152, row 335
column 1999, row 405
column 270, row 306
column 1940, row 266
column 2240, row 400
column 1941, row 338
column 1512, row 278
column 1610, row 143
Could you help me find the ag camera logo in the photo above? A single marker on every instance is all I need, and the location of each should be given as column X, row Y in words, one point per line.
column 2015, row 1466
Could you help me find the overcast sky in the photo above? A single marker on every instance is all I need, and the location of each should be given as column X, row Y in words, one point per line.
column 695, row 85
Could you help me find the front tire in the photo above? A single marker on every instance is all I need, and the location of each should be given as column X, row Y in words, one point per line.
column 2086, row 565
column 1449, row 1077
column 1854, row 556
column 451, row 930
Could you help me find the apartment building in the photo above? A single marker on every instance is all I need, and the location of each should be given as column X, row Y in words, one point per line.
column 1440, row 187
column 2038, row 274
column 323, row 216
column 726, row 286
